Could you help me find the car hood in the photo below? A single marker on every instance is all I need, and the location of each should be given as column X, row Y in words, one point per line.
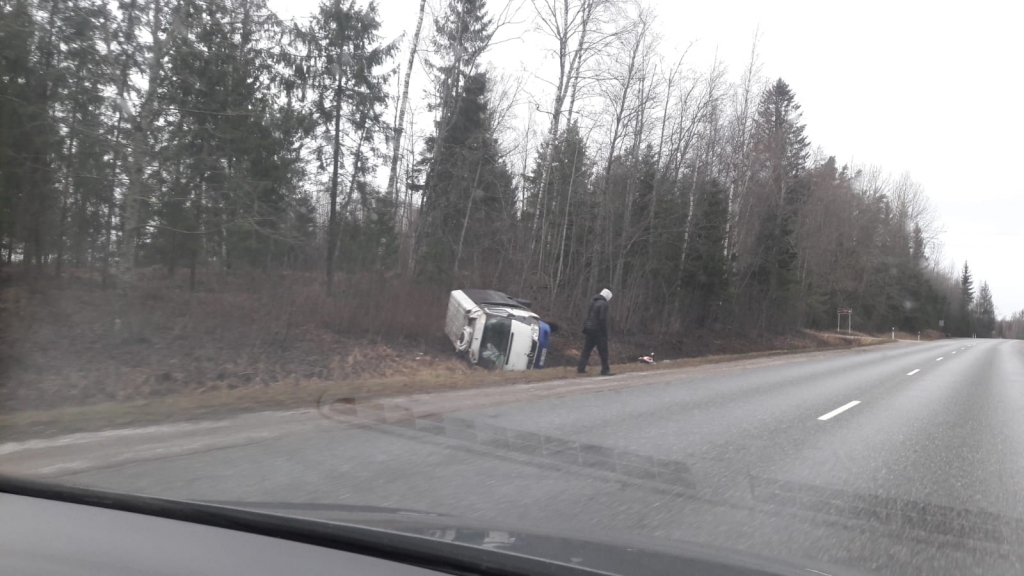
column 608, row 553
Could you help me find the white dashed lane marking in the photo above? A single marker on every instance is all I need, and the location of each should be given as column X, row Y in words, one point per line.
column 839, row 410
column 914, row 371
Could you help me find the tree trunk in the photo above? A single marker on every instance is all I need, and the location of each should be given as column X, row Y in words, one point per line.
column 661, row 148
column 469, row 209
column 199, row 240
column 65, row 194
column 549, row 142
column 400, row 124
column 132, row 210
column 41, row 178
column 135, row 193
column 688, row 225
column 738, row 184
column 407, row 214
column 61, row 227
column 117, row 152
column 197, row 244
column 565, row 223
column 332, row 222
column 356, row 161
column 577, row 62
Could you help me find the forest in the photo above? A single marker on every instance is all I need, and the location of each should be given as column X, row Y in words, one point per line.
column 190, row 142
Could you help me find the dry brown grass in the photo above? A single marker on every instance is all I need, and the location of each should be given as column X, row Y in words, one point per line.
column 244, row 343
column 307, row 393
column 926, row 335
column 62, row 346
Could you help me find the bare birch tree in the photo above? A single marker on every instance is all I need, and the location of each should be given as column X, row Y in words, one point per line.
column 399, row 126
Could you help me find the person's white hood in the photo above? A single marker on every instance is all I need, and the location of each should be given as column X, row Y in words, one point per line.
column 607, row 294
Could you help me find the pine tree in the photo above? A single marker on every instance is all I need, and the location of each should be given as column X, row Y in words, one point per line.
column 471, row 190
column 33, row 72
column 228, row 154
column 781, row 150
column 986, row 312
column 918, row 246
column 966, row 286
column 79, row 106
column 462, row 34
column 343, row 55
column 779, row 137
column 965, row 325
column 707, row 269
column 568, row 181
column 53, row 149
column 467, row 189
column 21, row 118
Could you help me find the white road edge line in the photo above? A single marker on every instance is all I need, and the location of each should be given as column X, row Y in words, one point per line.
column 939, row 358
column 839, row 410
column 914, row 371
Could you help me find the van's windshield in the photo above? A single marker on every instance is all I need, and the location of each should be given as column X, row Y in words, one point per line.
column 494, row 344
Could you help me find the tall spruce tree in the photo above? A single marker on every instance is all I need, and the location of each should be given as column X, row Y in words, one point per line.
column 781, row 155
column 342, row 74
column 965, row 324
column 471, row 192
column 986, row 312
column 467, row 189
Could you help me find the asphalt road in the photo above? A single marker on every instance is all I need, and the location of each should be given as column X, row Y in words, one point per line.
column 906, row 458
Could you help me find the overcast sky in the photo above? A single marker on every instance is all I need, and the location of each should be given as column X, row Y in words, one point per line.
column 927, row 88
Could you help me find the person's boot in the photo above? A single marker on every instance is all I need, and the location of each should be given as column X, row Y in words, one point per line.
column 607, row 373
column 581, row 370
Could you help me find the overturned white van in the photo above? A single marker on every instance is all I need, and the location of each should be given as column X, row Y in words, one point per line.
column 495, row 331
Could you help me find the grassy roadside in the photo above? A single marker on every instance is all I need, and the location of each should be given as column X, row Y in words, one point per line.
column 68, row 363
column 305, row 394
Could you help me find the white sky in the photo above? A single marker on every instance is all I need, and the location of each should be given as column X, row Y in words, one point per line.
column 929, row 88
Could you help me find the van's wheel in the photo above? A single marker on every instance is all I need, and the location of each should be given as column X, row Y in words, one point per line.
column 465, row 338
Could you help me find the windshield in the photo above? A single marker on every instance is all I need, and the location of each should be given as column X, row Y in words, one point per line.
column 494, row 344
column 734, row 277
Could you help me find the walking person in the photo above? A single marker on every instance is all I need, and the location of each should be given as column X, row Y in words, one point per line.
column 596, row 330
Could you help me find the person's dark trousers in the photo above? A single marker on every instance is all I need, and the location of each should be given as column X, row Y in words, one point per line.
column 600, row 340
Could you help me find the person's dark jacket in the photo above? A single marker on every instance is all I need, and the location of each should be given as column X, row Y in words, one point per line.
column 597, row 317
